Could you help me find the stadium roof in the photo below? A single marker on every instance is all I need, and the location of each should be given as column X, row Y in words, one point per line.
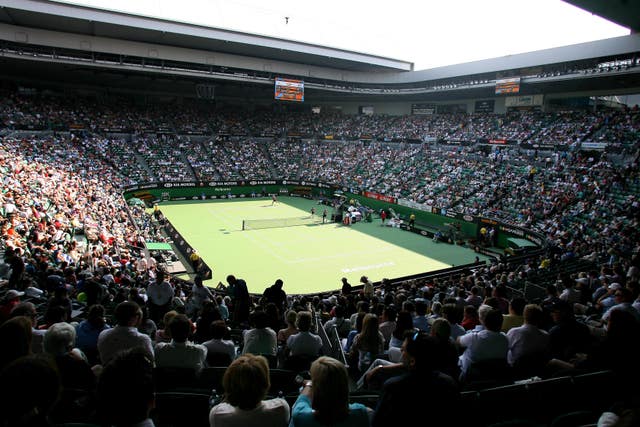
column 88, row 21
column 621, row 12
column 94, row 31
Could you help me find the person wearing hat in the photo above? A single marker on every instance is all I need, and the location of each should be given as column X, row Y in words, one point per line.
column 9, row 301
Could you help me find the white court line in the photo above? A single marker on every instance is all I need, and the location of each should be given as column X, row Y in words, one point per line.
column 343, row 254
column 281, row 250
column 264, row 244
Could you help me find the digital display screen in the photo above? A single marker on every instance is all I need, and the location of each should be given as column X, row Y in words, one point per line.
column 508, row 85
column 289, row 90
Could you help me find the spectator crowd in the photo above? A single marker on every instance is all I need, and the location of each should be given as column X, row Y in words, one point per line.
column 83, row 304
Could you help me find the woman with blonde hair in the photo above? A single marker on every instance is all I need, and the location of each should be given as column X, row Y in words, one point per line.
column 245, row 383
column 324, row 401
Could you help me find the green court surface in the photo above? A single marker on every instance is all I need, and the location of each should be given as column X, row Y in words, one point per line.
column 308, row 258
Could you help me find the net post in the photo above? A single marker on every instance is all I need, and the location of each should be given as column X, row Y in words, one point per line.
column 243, row 225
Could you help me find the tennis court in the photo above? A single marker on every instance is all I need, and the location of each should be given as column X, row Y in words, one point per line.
column 308, row 258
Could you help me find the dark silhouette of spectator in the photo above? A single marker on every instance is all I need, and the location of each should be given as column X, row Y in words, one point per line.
column 346, row 286
column 567, row 337
column 15, row 339
column 126, row 389
column 32, row 386
column 88, row 330
column 28, row 309
column 240, row 299
column 421, row 386
column 275, row 294
column 9, row 301
column 209, row 314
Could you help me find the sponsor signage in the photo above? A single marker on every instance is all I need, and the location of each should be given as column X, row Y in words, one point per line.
column 378, row 196
column 485, row 106
column 179, row 184
column 413, row 205
column 511, row 230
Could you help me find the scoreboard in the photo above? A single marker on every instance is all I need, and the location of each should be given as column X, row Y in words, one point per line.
column 289, row 90
column 508, row 85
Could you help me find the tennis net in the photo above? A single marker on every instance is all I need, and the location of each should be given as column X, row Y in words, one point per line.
column 258, row 224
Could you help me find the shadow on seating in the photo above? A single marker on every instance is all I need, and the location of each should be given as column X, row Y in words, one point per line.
column 589, row 385
column 272, row 360
column 487, row 374
column 532, row 365
column 74, row 405
column 174, row 378
column 513, row 401
column 210, row 379
column 218, row 359
column 298, row 363
column 554, row 397
column 176, row 409
column 577, row 418
column 368, row 398
column 282, row 381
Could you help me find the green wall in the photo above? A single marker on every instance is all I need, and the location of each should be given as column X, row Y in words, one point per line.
column 435, row 220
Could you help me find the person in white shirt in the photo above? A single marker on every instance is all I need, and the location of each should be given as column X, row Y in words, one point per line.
column 488, row 344
column 304, row 343
column 529, row 341
column 218, row 346
column 367, row 287
column 125, row 335
column 160, row 294
column 260, row 339
column 180, row 353
column 199, row 294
